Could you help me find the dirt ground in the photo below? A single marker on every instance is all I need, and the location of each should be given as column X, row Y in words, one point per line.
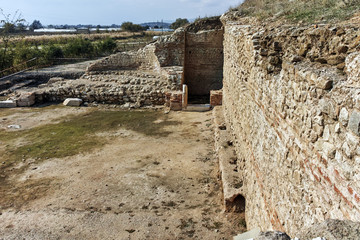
column 136, row 186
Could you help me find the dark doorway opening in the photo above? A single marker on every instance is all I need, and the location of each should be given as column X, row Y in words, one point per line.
column 236, row 205
column 203, row 67
column 199, row 99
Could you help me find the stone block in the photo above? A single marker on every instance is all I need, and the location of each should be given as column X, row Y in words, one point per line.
column 352, row 63
column 176, row 101
column 324, row 83
column 73, row 102
column 26, row 100
column 354, row 122
column 8, row 104
column 216, row 97
column 344, row 116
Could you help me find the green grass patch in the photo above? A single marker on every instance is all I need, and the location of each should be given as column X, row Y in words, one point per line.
column 77, row 134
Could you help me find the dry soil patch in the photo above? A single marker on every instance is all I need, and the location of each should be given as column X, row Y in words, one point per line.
column 136, row 186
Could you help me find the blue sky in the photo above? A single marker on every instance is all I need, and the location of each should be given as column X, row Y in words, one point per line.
column 113, row 11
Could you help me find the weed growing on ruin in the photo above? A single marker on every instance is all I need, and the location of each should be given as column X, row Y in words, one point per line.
column 299, row 11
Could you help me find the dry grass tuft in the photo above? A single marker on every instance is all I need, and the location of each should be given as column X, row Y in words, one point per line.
column 307, row 11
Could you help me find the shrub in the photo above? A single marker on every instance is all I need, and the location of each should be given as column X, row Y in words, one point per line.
column 52, row 51
column 106, row 46
column 179, row 23
column 23, row 52
column 79, row 47
column 6, row 60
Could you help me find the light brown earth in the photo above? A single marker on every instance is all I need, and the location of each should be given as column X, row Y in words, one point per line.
column 134, row 187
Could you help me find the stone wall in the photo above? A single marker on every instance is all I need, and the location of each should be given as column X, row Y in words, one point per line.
column 292, row 100
column 131, row 88
column 204, row 61
column 200, row 52
column 166, row 51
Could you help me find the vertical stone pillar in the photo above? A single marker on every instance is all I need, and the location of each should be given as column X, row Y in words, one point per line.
column 176, row 101
column 185, row 96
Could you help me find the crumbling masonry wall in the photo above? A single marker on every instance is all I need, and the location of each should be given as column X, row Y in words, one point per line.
column 165, row 52
column 199, row 52
column 292, row 101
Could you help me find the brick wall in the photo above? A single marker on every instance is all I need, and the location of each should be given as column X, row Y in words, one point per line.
column 204, row 61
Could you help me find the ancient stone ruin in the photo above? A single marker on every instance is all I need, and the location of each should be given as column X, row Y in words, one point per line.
column 289, row 127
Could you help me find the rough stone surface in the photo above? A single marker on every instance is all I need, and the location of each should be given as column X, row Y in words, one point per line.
column 229, row 164
column 354, row 122
column 283, row 112
column 344, row 116
column 167, row 51
column 352, row 67
column 272, row 236
column 133, row 87
column 332, row 229
column 26, row 99
column 73, row 102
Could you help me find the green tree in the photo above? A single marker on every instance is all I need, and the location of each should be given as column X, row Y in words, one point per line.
column 36, row 25
column 129, row 26
column 179, row 23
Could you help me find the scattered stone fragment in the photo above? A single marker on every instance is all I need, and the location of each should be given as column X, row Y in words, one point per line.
column 8, row 104
column 14, row 126
column 73, row 102
column 276, row 235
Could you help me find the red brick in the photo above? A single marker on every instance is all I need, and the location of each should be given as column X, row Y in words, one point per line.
column 216, row 97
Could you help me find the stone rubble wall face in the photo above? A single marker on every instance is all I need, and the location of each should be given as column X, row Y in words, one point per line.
column 133, row 87
column 167, row 51
column 122, row 60
column 295, row 121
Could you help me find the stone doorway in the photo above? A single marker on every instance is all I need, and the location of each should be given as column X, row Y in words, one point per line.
column 204, row 60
